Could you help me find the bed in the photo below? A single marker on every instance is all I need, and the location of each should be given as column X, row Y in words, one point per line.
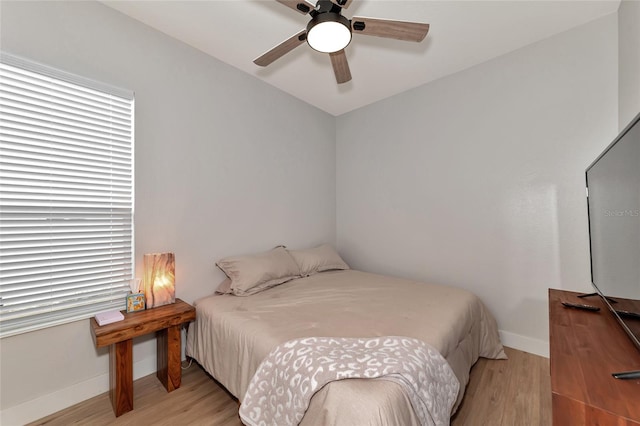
column 232, row 335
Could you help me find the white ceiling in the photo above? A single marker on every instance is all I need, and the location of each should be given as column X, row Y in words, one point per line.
column 462, row 34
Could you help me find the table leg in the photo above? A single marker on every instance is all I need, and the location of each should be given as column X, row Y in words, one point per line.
column 169, row 348
column 121, row 376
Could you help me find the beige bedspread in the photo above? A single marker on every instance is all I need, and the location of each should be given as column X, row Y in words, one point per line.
column 232, row 335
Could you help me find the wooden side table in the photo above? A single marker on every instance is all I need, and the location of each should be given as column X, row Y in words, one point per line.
column 166, row 320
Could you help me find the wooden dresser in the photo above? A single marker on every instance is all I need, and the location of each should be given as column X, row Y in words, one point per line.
column 586, row 347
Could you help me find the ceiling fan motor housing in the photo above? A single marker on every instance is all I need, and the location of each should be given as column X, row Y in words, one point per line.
column 323, row 6
column 325, row 19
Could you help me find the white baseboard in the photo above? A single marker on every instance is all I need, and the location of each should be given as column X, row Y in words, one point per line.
column 48, row 404
column 524, row 343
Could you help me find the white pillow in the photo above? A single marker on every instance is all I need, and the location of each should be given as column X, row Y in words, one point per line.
column 224, row 287
column 318, row 259
column 254, row 273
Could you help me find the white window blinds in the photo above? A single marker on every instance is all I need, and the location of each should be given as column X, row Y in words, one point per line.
column 66, row 196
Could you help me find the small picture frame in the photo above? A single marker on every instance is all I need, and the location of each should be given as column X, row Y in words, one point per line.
column 135, row 302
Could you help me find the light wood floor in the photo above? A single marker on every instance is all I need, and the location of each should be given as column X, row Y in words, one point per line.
column 500, row 393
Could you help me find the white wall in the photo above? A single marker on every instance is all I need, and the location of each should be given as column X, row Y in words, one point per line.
column 629, row 51
column 225, row 164
column 477, row 179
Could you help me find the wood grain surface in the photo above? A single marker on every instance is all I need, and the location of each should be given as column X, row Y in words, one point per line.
column 399, row 30
column 282, row 49
column 586, row 347
column 166, row 321
column 121, row 376
column 169, row 372
column 340, row 66
column 140, row 323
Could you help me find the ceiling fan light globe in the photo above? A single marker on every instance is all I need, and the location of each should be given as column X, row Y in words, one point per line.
column 328, row 33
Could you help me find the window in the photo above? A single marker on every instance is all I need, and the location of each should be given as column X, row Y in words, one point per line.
column 66, row 196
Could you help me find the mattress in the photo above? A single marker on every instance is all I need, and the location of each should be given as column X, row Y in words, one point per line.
column 232, row 335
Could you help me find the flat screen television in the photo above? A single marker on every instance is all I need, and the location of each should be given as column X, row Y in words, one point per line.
column 613, row 197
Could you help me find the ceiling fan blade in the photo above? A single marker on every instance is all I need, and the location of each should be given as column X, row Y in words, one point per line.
column 399, row 30
column 340, row 66
column 300, row 6
column 342, row 3
column 282, row 49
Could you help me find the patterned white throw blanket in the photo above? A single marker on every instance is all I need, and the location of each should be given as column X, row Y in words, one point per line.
column 280, row 391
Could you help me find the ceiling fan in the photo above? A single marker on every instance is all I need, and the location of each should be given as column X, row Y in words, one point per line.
column 330, row 32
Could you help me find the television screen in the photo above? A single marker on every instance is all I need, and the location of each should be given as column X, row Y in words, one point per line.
column 613, row 189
